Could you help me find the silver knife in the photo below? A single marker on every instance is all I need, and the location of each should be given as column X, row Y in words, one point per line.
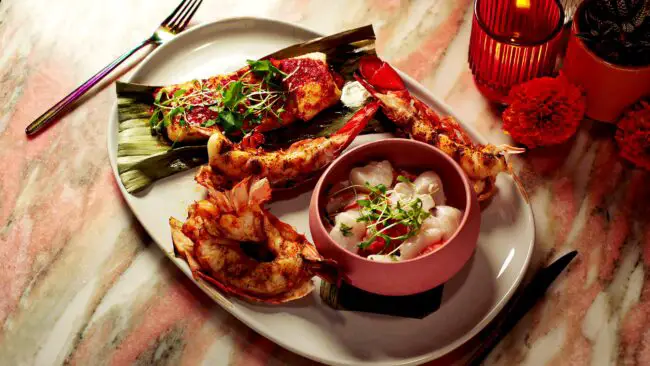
column 525, row 301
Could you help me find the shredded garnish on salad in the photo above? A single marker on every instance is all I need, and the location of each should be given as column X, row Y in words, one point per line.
column 381, row 215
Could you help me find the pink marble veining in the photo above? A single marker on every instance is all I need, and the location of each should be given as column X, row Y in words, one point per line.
column 68, row 241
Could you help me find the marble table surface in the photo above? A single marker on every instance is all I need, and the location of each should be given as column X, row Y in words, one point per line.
column 81, row 282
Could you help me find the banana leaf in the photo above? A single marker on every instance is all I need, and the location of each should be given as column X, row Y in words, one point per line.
column 145, row 156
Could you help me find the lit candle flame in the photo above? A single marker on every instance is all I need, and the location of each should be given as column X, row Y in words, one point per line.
column 522, row 4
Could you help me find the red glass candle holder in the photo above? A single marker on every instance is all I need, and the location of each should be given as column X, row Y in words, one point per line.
column 513, row 41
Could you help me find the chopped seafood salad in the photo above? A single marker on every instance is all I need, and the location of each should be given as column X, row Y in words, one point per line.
column 389, row 215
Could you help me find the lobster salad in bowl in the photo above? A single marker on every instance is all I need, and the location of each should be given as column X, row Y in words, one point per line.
column 387, row 214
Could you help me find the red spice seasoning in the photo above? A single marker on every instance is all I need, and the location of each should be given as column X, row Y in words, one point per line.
column 543, row 111
column 633, row 135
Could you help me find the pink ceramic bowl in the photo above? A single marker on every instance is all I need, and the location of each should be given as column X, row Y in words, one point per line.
column 409, row 276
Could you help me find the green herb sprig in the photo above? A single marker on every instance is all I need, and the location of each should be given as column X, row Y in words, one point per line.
column 378, row 210
column 235, row 102
column 345, row 229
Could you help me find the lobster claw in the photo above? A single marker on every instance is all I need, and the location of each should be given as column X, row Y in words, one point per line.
column 379, row 74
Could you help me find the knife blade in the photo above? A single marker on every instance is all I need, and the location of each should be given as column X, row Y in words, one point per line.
column 525, row 301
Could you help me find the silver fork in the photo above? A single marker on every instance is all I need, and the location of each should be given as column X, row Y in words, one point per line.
column 174, row 24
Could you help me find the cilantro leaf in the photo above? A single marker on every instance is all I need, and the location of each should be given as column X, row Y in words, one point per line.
column 345, row 230
column 155, row 118
column 176, row 111
column 260, row 66
column 158, row 96
column 230, row 121
column 209, row 123
column 403, row 179
column 365, row 244
column 266, row 70
column 179, row 92
column 169, row 118
column 233, row 94
column 364, row 203
column 264, row 67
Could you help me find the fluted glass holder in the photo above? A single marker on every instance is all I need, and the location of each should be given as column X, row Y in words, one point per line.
column 513, row 41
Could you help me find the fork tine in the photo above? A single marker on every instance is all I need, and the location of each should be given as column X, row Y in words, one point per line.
column 176, row 11
column 185, row 21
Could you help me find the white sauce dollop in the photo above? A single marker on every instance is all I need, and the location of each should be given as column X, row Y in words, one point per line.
column 354, row 94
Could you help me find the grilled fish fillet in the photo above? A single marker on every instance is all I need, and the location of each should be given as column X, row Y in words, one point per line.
column 307, row 88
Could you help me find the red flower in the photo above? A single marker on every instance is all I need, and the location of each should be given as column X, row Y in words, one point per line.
column 633, row 135
column 543, row 111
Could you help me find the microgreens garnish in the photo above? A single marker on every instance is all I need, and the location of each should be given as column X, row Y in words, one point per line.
column 381, row 215
column 243, row 99
column 403, row 179
column 345, row 229
column 267, row 71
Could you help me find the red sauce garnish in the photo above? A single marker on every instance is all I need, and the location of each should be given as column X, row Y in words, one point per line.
column 199, row 115
column 351, row 206
column 379, row 244
column 431, row 248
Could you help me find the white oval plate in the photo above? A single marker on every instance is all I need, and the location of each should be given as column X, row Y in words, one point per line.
column 308, row 327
